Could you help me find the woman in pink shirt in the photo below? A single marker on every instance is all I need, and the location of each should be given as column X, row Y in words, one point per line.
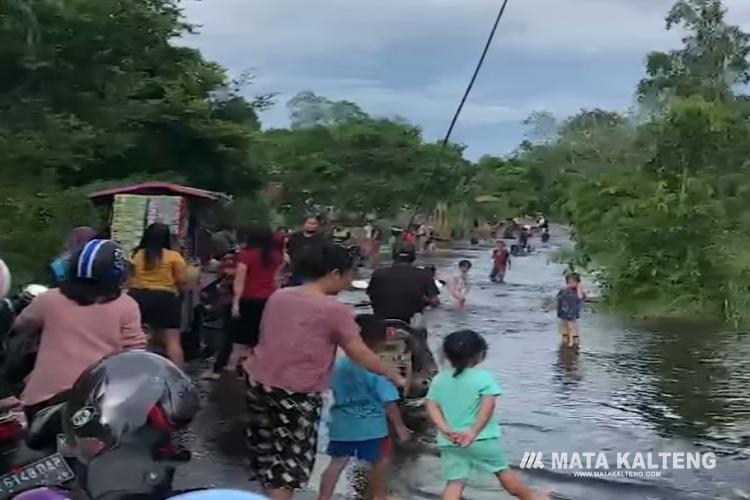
column 301, row 329
column 83, row 321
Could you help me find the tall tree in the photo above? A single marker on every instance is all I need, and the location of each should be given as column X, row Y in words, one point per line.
column 712, row 60
column 104, row 93
column 308, row 109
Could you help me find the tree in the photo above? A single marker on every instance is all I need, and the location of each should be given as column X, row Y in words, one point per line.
column 543, row 126
column 660, row 206
column 360, row 165
column 712, row 61
column 95, row 90
column 307, row 109
column 104, row 93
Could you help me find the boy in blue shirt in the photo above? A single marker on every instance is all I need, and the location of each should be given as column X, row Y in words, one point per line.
column 569, row 301
column 363, row 404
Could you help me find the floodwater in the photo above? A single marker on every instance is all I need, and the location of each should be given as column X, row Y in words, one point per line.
column 631, row 389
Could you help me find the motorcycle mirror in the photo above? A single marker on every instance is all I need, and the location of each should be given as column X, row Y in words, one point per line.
column 360, row 284
column 34, row 290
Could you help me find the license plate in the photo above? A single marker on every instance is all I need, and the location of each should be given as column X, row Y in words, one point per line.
column 49, row 471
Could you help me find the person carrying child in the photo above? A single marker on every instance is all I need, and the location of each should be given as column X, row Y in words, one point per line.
column 569, row 300
column 459, row 285
column 364, row 403
column 461, row 404
column 500, row 264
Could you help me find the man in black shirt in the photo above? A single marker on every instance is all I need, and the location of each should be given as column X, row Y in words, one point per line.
column 309, row 239
column 402, row 290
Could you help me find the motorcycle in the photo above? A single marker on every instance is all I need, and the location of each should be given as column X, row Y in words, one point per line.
column 27, row 452
column 203, row 338
column 127, row 471
column 18, row 351
column 33, row 454
column 407, row 350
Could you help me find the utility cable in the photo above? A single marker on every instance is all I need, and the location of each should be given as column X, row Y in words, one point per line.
column 446, row 139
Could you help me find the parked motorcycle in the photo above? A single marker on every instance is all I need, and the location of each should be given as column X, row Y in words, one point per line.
column 203, row 338
column 17, row 352
column 118, row 418
column 26, row 455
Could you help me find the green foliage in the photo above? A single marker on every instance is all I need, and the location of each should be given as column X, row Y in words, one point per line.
column 95, row 91
column 103, row 93
column 307, row 109
column 34, row 224
column 357, row 163
column 712, row 60
column 662, row 207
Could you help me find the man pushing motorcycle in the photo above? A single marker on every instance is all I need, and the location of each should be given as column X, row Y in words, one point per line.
column 401, row 292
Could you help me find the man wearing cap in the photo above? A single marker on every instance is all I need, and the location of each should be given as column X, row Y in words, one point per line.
column 402, row 290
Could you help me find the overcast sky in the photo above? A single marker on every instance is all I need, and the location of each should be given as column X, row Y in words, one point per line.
column 413, row 58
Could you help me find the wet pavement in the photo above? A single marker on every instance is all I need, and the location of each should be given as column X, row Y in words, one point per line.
column 631, row 389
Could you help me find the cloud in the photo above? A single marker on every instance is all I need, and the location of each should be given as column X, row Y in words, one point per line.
column 413, row 58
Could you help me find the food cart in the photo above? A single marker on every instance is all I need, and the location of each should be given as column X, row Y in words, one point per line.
column 130, row 209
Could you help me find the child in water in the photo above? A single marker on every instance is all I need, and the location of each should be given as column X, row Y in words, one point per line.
column 459, row 285
column 569, row 300
column 363, row 405
column 461, row 404
column 500, row 263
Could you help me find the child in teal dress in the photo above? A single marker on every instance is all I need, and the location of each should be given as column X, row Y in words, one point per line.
column 461, row 404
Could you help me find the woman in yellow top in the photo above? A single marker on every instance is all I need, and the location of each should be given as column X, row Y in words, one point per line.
column 159, row 272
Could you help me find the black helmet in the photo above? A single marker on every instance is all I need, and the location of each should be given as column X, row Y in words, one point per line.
column 100, row 260
column 405, row 253
column 123, row 396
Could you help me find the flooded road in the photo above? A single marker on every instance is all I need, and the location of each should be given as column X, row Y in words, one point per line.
column 631, row 389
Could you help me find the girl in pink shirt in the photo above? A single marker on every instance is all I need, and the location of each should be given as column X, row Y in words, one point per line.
column 83, row 321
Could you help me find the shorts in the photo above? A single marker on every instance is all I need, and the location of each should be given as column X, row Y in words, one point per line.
column 485, row 456
column 246, row 329
column 371, row 451
column 282, row 435
column 160, row 309
column 568, row 328
column 497, row 274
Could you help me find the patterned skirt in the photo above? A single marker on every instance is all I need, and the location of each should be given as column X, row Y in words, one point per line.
column 282, row 435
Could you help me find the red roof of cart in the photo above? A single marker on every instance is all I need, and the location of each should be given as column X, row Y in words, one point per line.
column 161, row 188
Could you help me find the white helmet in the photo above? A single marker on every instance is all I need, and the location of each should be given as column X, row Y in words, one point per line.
column 4, row 279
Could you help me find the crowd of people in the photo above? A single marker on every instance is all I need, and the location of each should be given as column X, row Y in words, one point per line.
column 283, row 329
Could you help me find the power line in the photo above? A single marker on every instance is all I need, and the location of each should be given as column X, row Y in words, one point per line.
column 447, row 137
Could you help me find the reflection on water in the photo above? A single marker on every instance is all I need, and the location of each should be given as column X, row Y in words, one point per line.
column 646, row 388
column 568, row 368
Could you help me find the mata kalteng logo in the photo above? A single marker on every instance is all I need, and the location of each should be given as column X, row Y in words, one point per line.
column 648, row 464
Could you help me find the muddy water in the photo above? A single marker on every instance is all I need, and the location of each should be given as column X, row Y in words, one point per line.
column 631, row 389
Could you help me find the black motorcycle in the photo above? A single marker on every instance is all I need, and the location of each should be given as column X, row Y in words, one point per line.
column 34, row 454
column 406, row 349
